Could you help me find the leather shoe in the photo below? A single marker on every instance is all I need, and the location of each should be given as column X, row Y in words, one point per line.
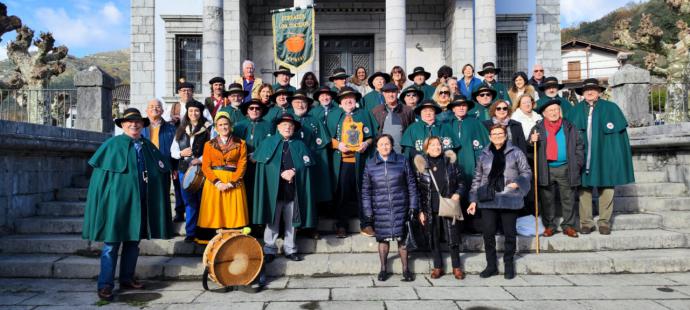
column 383, row 275
column 407, row 276
column 106, row 293
column 570, row 232
column 367, row 231
column 268, row 258
column 488, row 272
column 604, row 230
column 436, row 273
column 457, row 272
column 586, row 230
column 340, row 232
column 548, row 232
column 293, row 257
column 178, row 218
column 132, row 285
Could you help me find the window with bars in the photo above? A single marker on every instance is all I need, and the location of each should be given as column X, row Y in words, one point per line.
column 188, row 60
column 506, row 54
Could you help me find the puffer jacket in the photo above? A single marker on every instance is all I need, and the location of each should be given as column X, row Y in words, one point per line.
column 455, row 179
column 517, row 171
column 388, row 193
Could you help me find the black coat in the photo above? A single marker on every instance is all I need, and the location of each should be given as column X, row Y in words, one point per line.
column 388, row 193
column 516, row 133
column 575, row 149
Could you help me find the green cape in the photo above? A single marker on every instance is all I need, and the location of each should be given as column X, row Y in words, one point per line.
column 413, row 138
column 274, row 112
column 113, row 203
column 427, row 89
column 235, row 114
column 611, row 160
column 480, row 112
column 335, row 119
column 317, row 140
column 319, row 112
column 266, row 182
column 290, row 88
column 243, row 130
column 472, row 137
column 372, row 100
column 501, row 91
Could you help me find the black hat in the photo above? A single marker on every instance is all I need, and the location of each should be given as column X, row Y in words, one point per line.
column 460, row 100
column 385, row 76
column 280, row 90
column 550, row 81
column 483, row 88
column 236, row 88
column 445, row 71
column 338, row 73
column 428, row 103
column 184, row 85
column 489, row 67
column 324, row 89
column 300, row 94
column 217, row 79
column 196, row 104
column 283, row 70
column 286, row 117
column 245, row 106
column 389, row 87
column 347, row 90
column 589, row 84
column 543, row 107
column 411, row 89
column 131, row 114
column 419, row 70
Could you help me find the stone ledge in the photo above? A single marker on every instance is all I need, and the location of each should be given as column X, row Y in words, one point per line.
column 15, row 136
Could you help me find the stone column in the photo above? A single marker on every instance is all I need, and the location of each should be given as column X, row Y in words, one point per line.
column 630, row 90
column 485, row 32
column 235, row 39
column 310, row 66
column 549, row 37
column 395, row 34
column 212, row 43
column 142, row 58
column 461, row 34
column 95, row 100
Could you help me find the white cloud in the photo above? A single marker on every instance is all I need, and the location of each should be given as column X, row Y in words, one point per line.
column 111, row 13
column 574, row 12
column 3, row 52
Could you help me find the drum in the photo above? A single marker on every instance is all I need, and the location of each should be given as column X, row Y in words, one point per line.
column 193, row 179
column 232, row 258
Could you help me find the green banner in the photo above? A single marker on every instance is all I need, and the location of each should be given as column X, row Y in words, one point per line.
column 293, row 37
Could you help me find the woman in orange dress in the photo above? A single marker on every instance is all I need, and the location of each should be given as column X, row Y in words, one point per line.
column 224, row 201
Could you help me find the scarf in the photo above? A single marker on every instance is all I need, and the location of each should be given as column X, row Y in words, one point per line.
column 551, row 142
column 498, row 166
column 504, row 122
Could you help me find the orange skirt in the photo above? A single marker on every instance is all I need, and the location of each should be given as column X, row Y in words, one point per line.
column 226, row 209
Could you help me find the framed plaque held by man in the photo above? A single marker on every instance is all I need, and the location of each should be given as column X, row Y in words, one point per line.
column 352, row 134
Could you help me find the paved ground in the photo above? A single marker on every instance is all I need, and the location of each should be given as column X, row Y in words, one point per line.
column 622, row 291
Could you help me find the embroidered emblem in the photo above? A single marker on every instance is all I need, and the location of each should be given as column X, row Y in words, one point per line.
column 446, row 141
column 160, row 164
column 609, row 125
column 475, row 142
column 306, row 159
column 366, row 130
column 318, row 141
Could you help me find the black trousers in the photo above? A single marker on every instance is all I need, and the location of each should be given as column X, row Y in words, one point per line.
column 438, row 227
column 347, row 196
column 490, row 220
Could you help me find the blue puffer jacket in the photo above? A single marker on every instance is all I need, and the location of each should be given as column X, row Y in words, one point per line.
column 389, row 191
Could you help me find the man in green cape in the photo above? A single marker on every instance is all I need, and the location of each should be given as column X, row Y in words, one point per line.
column 375, row 97
column 483, row 96
column 280, row 106
column 283, row 188
column 283, row 76
column 550, row 88
column 415, row 134
column 608, row 157
column 235, row 95
column 253, row 130
column 419, row 77
column 126, row 201
column 324, row 104
column 351, row 133
column 489, row 72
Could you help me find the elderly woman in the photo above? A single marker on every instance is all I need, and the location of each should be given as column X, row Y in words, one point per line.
column 375, row 97
column 437, row 173
column 500, row 113
column 265, row 93
column 519, row 87
column 469, row 83
column 224, row 201
column 525, row 114
column 389, row 194
column 501, row 181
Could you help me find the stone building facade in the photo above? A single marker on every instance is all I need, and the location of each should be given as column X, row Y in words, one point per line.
column 204, row 38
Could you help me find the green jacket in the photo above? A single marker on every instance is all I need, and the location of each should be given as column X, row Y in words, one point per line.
column 609, row 153
column 335, row 120
column 413, row 138
column 318, row 141
column 235, row 114
column 319, row 112
column 480, row 112
column 113, row 202
column 427, row 89
column 472, row 137
column 275, row 112
column 253, row 133
column 267, row 180
column 566, row 107
column 290, row 88
column 501, row 91
column 372, row 100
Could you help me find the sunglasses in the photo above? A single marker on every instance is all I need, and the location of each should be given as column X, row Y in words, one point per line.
column 538, row 70
column 484, row 95
column 444, row 93
column 254, row 109
column 501, row 108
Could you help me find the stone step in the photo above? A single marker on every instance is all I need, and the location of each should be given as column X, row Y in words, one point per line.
column 191, row 268
column 49, row 225
column 357, row 243
column 675, row 219
column 652, row 189
column 80, row 181
column 71, row 194
column 61, row 208
column 651, row 204
column 650, row 176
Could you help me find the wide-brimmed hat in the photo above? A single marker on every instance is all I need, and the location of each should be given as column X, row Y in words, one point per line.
column 460, row 100
column 184, row 85
column 195, row 104
column 411, row 89
column 385, row 76
column 338, row 73
column 286, row 117
column 300, row 94
column 543, row 107
column 428, row 103
column 283, row 70
column 347, row 90
column 484, row 88
column 131, row 114
column 279, row 91
column 590, row 84
column 245, row 106
column 236, row 88
column 419, row 70
column 489, row 67
column 217, row 79
column 550, row 81
column 324, row 89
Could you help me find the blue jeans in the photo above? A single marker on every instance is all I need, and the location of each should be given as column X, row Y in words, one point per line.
column 130, row 253
column 191, row 204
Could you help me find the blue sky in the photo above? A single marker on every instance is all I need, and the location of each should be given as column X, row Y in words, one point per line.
column 574, row 12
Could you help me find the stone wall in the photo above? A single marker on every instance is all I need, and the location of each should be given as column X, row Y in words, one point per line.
column 142, row 53
column 37, row 160
column 664, row 148
column 549, row 36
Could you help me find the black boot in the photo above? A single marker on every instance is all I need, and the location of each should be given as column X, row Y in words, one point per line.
column 489, row 271
column 509, row 270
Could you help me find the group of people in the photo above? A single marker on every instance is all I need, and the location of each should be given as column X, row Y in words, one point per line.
column 377, row 147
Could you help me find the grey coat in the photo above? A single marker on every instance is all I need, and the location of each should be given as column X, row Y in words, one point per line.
column 575, row 150
column 517, row 171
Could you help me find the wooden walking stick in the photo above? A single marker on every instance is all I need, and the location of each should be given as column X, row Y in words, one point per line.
column 536, row 197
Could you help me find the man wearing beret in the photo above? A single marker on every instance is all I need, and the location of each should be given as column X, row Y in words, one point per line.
column 392, row 117
column 217, row 98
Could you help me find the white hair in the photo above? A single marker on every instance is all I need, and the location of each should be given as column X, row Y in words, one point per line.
column 247, row 61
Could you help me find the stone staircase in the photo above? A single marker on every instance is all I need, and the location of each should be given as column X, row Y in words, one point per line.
column 650, row 234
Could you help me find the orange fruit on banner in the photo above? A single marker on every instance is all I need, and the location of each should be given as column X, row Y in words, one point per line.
column 295, row 44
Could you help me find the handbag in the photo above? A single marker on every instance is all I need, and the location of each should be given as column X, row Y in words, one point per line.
column 486, row 193
column 447, row 207
column 416, row 239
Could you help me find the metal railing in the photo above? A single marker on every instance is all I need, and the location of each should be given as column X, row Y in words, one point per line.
column 56, row 107
column 668, row 102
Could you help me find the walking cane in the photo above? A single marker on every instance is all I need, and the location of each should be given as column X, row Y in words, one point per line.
column 536, row 198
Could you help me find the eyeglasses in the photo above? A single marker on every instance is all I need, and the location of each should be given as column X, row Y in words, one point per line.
column 444, row 93
column 254, row 109
column 539, row 70
column 397, row 71
column 501, row 108
column 410, row 95
column 484, row 95
column 497, row 134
